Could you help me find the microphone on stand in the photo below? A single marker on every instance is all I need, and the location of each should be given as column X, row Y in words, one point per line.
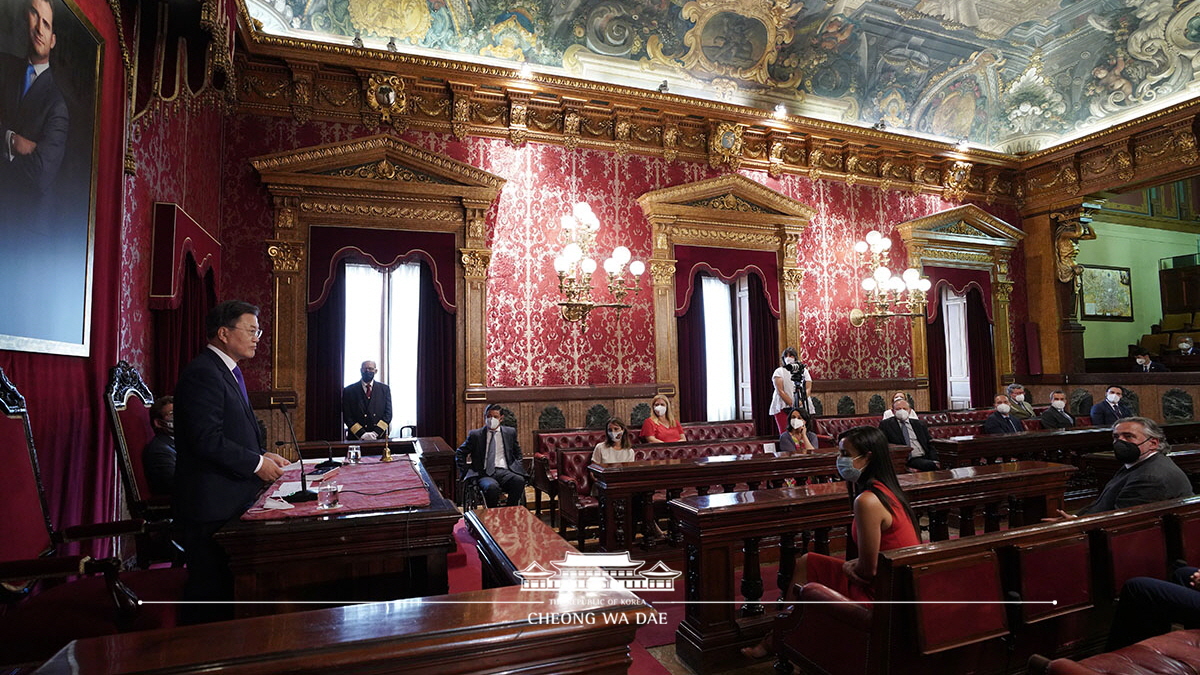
column 330, row 463
column 303, row 494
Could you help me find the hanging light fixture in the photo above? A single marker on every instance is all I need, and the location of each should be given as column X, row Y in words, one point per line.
column 887, row 294
column 575, row 267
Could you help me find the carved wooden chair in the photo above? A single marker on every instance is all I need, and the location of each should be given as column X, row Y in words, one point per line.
column 94, row 597
column 128, row 400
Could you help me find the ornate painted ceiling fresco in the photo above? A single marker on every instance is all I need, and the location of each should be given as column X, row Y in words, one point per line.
column 1015, row 75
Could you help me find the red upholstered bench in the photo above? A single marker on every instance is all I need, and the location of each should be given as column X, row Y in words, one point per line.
column 1170, row 654
column 949, row 430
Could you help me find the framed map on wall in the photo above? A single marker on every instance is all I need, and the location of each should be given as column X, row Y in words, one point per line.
column 1106, row 293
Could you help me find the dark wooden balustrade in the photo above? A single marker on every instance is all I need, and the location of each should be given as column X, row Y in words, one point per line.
column 724, row 531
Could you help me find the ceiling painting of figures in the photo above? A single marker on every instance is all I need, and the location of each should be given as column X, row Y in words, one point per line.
column 1009, row 75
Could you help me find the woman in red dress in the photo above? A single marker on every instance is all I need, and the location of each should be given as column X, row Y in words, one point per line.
column 883, row 520
column 661, row 426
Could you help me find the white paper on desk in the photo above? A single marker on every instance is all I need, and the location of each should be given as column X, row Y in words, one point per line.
column 273, row 503
column 286, row 488
column 769, row 447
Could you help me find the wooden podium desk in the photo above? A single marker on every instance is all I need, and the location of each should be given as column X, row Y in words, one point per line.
column 336, row 556
column 435, row 455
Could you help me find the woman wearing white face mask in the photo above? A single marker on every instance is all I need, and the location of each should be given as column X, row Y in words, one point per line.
column 661, row 426
column 798, row 438
column 783, row 389
column 616, row 446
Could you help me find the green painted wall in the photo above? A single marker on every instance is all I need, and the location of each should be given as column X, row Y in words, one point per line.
column 1139, row 249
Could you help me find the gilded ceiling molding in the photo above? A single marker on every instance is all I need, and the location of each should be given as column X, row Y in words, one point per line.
column 966, row 237
column 542, row 109
column 732, row 212
column 384, row 183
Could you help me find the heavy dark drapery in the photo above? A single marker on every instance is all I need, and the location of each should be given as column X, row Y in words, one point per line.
column 180, row 332
column 980, row 350
column 326, row 354
column 764, row 355
column 436, row 346
column 693, row 378
column 935, row 341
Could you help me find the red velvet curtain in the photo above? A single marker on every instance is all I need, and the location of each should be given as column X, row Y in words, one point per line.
column 326, row 354
column 764, row 355
column 693, row 379
column 180, row 332
column 935, row 349
column 436, row 358
column 979, row 350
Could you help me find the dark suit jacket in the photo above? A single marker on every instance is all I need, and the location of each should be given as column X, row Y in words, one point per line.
column 41, row 116
column 1155, row 479
column 1057, row 419
column 218, row 443
column 362, row 414
column 998, row 424
column 158, row 462
column 472, row 454
column 1103, row 416
column 895, row 435
column 1155, row 367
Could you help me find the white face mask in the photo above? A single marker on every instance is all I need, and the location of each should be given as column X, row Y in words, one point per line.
column 902, row 414
column 493, row 422
column 788, row 360
column 1059, row 405
column 1184, row 346
column 616, row 434
column 1142, row 362
column 1113, row 398
column 1019, row 398
column 796, row 423
column 1003, row 408
column 660, row 410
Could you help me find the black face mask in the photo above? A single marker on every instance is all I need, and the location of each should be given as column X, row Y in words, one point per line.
column 368, row 375
column 1126, row 452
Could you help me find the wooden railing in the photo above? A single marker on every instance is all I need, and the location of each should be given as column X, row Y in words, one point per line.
column 716, row 528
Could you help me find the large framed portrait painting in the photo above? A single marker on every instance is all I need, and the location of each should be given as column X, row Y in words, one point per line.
column 50, row 57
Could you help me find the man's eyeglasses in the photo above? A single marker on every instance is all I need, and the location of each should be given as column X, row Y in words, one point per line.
column 256, row 332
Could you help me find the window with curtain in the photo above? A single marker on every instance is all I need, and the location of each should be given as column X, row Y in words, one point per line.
column 382, row 314
column 720, row 353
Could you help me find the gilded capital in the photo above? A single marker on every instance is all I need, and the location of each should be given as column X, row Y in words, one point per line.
column 792, row 278
column 287, row 257
column 1003, row 290
column 662, row 272
column 475, row 262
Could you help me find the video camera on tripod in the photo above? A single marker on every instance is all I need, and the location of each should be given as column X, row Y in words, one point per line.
column 799, row 388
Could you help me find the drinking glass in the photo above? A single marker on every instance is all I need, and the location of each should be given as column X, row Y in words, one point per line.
column 328, row 494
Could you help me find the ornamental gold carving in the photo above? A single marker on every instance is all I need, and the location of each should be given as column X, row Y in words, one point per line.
column 476, row 230
column 775, row 159
column 751, row 240
column 302, row 109
column 1066, row 176
column 571, row 122
column 726, row 145
column 460, row 118
column 961, row 227
column 1119, row 158
column 1003, row 290
column 958, row 179
column 475, row 262
column 286, row 256
column 961, row 256
column 729, row 202
column 1183, row 142
column 383, row 170
column 1070, row 229
column 285, row 219
column 662, row 272
column 376, row 211
column 792, row 278
column 386, row 99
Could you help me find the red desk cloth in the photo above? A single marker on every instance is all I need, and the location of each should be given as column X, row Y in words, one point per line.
column 395, row 485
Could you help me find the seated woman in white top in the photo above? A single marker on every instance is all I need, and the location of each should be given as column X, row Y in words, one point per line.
column 899, row 396
column 616, row 446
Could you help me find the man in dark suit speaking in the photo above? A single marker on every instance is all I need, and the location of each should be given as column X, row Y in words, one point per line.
column 367, row 406
column 492, row 456
column 33, row 124
column 221, row 462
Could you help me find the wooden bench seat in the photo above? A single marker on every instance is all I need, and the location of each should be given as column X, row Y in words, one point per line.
column 1175, row 652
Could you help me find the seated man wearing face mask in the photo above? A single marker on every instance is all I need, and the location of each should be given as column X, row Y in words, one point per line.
column 158, row 457
column 1016, row 399
column 1147, row 365
column 492, row 456
column 1056, row 416
column 902, row 428
column 1107, row 412
column 367, row 406
column 1002, row 421
column 1149, row 475
column 1187, row 348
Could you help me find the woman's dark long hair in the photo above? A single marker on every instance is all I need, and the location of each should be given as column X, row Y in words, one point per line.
column 624, row 443
column 871, row 442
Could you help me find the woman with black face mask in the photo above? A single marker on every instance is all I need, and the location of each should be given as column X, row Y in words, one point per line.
column 883, row 520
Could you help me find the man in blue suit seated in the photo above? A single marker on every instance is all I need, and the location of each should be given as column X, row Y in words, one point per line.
column 1002, row 421
column 1107, row 412
column 221, row 458
column 492, row 456
column 1149, row 607
column 158, row 457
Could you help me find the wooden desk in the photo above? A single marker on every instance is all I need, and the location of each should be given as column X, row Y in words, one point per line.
column 509, row 538
column 723, row 531
column 1103, row 465
column 435, row 455
column 476, row 633
column 377, row 555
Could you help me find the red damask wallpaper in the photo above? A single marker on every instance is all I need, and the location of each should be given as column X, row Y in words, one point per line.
column 527, row 343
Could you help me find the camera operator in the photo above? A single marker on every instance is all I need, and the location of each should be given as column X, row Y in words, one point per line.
column 791, row 383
